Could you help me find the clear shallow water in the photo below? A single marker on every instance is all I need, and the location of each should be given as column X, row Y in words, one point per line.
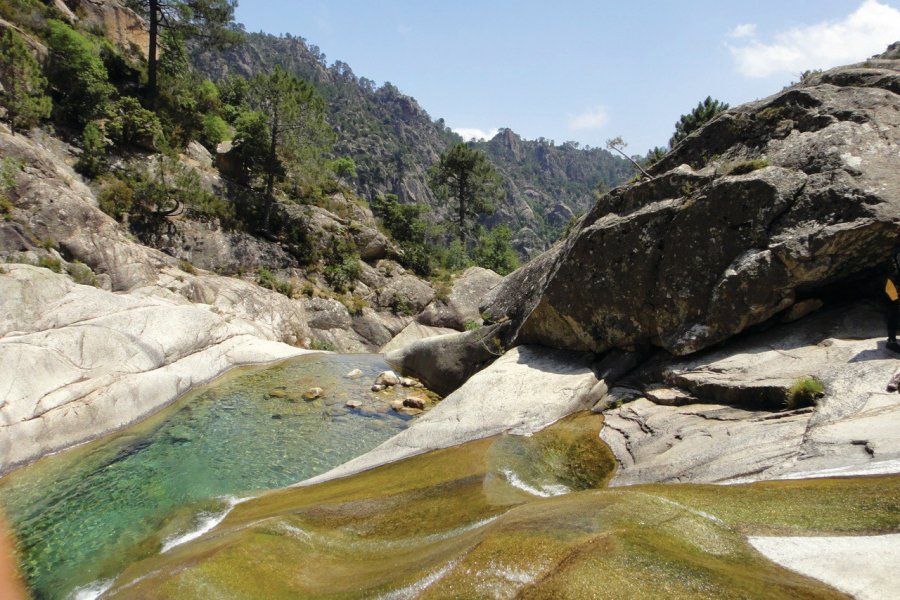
column 83, row 515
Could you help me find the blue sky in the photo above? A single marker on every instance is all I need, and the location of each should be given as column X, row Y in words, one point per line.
column 576, row 69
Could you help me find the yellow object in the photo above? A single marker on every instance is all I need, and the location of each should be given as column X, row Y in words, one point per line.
column 891, row 290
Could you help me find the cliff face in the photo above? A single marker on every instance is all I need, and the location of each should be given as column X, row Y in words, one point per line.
column 770, row 203
column 394, row 141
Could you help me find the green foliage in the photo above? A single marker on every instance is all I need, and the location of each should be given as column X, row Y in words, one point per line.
column 9, row 168
column 215, row 131
column 342, row 265
column 454, row 257
column 284, row 137
column 49, row 262
column 81, row 273
column 322, row 346
column 93, row 160
column 703, row 113
column 344, row 167
column 400, row 305
column 269, row 280
column 471, row 325
column 494, row 252
column 654, row 155
column 405, row 224
column 24, row 83
column 466, row 175
column 115, row 198
column 78, row 79
column 354, row 304
column 131, row 125
column 804, row 392
column 745, row 166
column 187, row 267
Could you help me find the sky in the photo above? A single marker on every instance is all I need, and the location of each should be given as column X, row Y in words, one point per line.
column 580, row 70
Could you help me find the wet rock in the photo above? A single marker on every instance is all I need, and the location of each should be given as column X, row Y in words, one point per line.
column 278, row 393
column 353, row 404
column 414, row 402
column 387, row 379
column 354, row 374
column 409, row 382
column 396, row 405
column 378, row 387
column 313, row 393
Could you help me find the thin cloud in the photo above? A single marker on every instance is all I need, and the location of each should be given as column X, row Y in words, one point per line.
column 745, row 30
column 473, row 133
column 866, row 31
column 592, row 119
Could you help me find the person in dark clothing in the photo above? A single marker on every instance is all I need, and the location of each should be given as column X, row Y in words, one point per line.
column 892, row 298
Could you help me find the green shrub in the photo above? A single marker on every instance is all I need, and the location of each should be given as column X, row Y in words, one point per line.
column 92, row 161
column 132, row 126
column 342, row 265
column 493, row 251
column 400, row 305
column 353, row 304
column 344, row 167
column 746, row 166
column 214, row 131
column 269, row 280
column 78, row 79
column 187, row 267
column 804, row 392
column 322, row 345
column 115, row 198
column 471, row 325
column 49, row 262
column 24, row 83
column 81, row 273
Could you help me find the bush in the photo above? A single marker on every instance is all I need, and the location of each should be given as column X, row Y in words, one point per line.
column 269, row 280
column 132, row 126
column 115, row 198
column 92, row 161
column 26, row 104
column 81, row 273
column 49, row 262
column 494, row 252
column 400, row 305
column 214, row 131
column 804, row 392
column 342, row 265
column 78, row 79
column 322, row 345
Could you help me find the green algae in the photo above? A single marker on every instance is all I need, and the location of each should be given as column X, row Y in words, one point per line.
column 460, row 523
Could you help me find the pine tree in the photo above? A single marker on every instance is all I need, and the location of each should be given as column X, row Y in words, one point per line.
column 466, row 175
column 210, row 20
column 702, row 113
column 286, row 128
column 23, row 82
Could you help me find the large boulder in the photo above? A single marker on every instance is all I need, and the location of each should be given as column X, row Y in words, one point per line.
column 772, row 201
column 445, row 362
column 460, row 309
column 413, row 333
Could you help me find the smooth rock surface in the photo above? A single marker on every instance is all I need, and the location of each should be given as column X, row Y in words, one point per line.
column 78, row 362
column 854, row 427
column 413, row 333
column 524, row 391
column 863, row 566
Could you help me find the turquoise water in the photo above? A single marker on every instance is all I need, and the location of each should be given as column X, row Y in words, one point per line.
column 82, row 515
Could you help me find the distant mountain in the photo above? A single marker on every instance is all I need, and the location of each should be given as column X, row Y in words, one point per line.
column 394, row 141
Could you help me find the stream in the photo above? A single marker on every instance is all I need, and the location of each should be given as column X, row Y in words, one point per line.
column 83, row 515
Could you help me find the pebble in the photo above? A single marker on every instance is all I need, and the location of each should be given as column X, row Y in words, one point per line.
column 387, row 378
column 354, row 374
column 353, row 404
column 413, row 402
column 313, row 393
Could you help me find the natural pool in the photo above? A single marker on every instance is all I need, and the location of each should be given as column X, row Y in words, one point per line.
column 83, row 515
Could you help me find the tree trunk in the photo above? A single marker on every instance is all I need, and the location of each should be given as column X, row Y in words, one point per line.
column 271, row 165
column 152, row 62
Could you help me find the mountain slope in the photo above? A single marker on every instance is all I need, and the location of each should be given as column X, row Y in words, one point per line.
column 394, row 141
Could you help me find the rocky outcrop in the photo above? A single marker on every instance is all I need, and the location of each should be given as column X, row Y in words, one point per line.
column 445, row 362
column 413, row 333
column 79, row 361
column 459, row 310
column 737, row 428
column 522, row 392
column 769, row 203
column 119, row 24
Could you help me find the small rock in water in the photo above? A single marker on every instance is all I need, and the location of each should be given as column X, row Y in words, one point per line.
column 408, row 382
column 413, row 402
column 277, row 417
column 277, row 393
column 378, row 387
column 353, row 404
column 354, row 374
column 397, row 405
column 313, row 393
column 387, row 378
